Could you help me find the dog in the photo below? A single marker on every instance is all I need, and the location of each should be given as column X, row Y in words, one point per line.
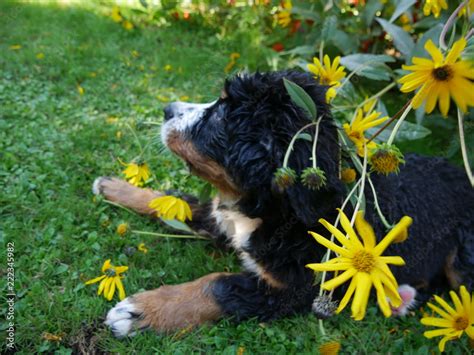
column 237, row 143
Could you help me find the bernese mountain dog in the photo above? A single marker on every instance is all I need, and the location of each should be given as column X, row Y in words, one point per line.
column 237, row 143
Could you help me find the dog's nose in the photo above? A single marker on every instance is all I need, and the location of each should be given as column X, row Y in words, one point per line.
column 169, row 113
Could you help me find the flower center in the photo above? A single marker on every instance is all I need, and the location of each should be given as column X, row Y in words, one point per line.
column 110, row 272
column 363, row 261
column 460, row 323
column 443, row 73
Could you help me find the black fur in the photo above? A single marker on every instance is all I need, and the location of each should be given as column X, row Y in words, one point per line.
column 248, row 133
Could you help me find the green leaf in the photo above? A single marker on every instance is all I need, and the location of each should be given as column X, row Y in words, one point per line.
column 301, row 50
column 300, row 98
column 305, row 136
column 402, row 7
column 173, row 223
column 370, row 9
column 401, row 39
column 369, row 65
column 329, row 27
column 407, row 132
column 345, row 43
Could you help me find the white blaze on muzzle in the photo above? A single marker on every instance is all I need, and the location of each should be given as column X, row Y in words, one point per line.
column 180, row 116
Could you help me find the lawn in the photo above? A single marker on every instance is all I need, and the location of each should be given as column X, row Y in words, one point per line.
column 77, row 93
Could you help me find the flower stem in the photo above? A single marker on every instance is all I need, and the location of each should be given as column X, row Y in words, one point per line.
column 292, row 143
column 462, row 141
column 389, row 122
column 178, row 236
column 377, row 206
column 362, row 186
column 399, row 123
column 315, row 141
column 119, row 206
column 449, row 24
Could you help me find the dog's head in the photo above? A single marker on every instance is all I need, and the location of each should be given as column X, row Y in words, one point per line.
column 238, row 142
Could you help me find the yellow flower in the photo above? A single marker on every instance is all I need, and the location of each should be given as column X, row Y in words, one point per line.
column 464, row 10
column 330, row 348
column 356, row 130
column 170, row 207
column 284, row 16
column 40, row 55
column 15, row 47
column 348, row 175
column 127, row 25
column 434, row 7
column 142, row 248
column 80, row 89
column 454, row 321
column 440, row 79
column 328, row 74
column 406, row 23
column 110, row 281
column 168, row 67
column 136, row 174
column 115, row 15
column 122, row 228
column 361, row 259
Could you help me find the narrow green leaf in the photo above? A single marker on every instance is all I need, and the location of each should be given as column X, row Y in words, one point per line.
column 402, row 7
column 305, row 136
column 301, row 98
column 173, row 223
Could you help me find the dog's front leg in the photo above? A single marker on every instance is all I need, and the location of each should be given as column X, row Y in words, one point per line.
column 138, row 199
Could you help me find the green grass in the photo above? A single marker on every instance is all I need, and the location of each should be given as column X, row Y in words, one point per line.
column 54, row 142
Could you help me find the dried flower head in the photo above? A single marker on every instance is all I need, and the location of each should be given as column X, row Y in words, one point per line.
column 284, row 178
column 324, row 307
column 313, row 178
column 386, row 159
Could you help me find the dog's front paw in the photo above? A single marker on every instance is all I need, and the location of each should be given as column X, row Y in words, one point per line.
column 124, row 318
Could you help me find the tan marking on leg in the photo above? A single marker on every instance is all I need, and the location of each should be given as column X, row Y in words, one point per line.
column 127, row 195
column 170, row 308
column 251, row 265
column 453, row 276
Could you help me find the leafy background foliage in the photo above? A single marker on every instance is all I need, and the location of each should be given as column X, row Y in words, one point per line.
column 79, row 78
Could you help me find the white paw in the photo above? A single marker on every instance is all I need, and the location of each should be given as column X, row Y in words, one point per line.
column 96, row 186
column 407, row 294
column 121, row 319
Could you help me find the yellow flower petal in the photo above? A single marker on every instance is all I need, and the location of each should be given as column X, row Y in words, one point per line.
column 330, row 245
column 361, row 296
column 119, row 285
column 339, row 280
column 345, row 300
column 106, row 265
column 365, row 231
column 111, row 290
column 97, row 279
